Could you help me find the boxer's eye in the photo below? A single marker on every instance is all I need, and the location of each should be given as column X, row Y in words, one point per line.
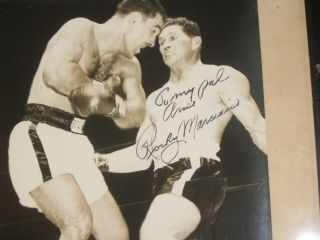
column 172, row 38
column 155, row 31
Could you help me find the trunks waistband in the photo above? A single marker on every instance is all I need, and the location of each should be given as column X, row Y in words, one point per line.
column 38, row 113
column 185, row 163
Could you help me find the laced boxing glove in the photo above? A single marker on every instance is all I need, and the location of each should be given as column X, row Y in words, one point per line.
column 96, row 97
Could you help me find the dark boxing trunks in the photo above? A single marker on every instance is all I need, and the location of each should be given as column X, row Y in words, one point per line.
column 131, row 187
column 37, row 113
column 206, row 188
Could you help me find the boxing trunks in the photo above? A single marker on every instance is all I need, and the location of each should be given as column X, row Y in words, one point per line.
column 205, row 187
column 49, row 142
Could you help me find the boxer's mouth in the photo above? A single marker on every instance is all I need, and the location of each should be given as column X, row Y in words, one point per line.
column 169, row 54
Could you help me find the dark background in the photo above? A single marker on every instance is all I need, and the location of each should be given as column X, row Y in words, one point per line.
column 313, row 27
column 230, row 37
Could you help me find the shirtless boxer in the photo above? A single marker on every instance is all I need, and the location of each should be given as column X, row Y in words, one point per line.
column 87, row 68
column 184, row 123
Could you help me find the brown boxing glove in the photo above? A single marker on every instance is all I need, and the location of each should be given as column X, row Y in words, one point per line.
column 95, row 98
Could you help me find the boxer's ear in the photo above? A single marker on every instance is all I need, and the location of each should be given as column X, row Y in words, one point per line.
column 196, row 42
column 134, row 17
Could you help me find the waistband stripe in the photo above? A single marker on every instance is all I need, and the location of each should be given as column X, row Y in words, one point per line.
column 40, row 153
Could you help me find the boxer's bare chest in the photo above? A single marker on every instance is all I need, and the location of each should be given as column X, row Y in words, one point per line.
column 177, row 101
column 92, row 59
column 190, row 108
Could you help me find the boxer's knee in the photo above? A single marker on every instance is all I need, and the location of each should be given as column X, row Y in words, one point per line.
column 152, row 228
column 154, row 232
column 170, row 217
column 118, row 232
column 122, row 233
column 77, row 226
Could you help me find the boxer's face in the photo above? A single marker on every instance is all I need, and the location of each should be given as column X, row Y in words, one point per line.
column 176, row 47
column 143, row 32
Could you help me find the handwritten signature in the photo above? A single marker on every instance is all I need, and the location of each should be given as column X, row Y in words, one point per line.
column 206, row 83
column 172, row 107
column 169, row 149
column 193, row 125
column 145, row 145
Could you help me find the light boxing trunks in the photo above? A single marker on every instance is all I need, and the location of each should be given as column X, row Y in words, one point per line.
column 205, row 187
column 49, row 142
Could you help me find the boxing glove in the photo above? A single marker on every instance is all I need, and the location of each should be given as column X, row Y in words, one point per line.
column 96, row 97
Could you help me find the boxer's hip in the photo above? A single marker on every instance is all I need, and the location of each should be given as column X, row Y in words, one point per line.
column 194, row 150
column 42, row 146
column 47, row 134
column 179, row 177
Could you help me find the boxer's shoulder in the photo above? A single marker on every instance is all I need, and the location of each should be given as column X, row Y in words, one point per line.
column 81, row 26
column 152, row 98
column 228, row 71
column 130, row 67
column 221, row 70
column 158, row 91
column 231, row 79
column 131, row 63
column 75, row 31
column 79, row 22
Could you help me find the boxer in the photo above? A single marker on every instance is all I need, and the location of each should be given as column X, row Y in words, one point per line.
column 87, row 68
column 184, row 123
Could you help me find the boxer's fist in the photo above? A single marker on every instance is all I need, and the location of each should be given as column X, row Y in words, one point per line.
column 94, row 98
column 101, row 161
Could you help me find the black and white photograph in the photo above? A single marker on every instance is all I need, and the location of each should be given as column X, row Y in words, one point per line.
column 133, row 119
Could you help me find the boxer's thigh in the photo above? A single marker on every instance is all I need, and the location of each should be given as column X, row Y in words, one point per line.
column 108, row 222
column 207, row 194
column 23, row 164
column 170, row 215
column 62, row 201
column 74, row 154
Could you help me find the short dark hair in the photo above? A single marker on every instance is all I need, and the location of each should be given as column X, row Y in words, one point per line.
column 189, row 27
column 149, row 8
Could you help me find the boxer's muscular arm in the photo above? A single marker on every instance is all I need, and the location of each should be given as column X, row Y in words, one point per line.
column 61, row 71
column 146, row 133
column 237, row 89
column 147, row 122
column 135, row 96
